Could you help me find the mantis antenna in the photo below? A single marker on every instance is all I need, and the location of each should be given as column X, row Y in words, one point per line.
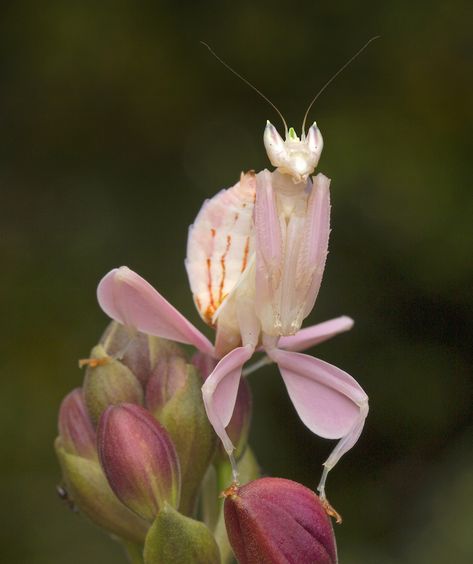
column 247, row 82
column 340, row 70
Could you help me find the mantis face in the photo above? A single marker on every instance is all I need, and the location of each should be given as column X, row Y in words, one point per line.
column 293, row 156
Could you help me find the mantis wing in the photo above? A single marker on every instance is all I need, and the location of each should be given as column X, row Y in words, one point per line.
column 220, row 246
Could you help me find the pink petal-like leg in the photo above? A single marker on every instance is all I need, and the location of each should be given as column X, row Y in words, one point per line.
column 127, row 298
column 314, row 245
column 328, row 401
column 305, row 251
column 292, row 228
column 315, row 334
column 219, row 393
column 269, row 238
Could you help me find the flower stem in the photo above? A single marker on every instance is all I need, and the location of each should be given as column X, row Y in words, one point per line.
column 134, row 552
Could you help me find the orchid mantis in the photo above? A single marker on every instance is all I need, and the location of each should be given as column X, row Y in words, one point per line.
column 255, row 259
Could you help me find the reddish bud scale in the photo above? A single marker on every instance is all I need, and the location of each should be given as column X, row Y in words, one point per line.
column 168, row 377
column 204, row 363
column 75, row 427
column 278, row 521
column 139, row 459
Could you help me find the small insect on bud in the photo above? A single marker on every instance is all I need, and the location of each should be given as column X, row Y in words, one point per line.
column 76, row 433
column 273, row 520
column 139, row 459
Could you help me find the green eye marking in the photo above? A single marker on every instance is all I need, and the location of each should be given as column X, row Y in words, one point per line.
column 292, row 134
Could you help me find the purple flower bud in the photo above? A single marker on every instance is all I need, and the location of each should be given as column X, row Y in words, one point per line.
column 139, row 459
column 76, row 432
column 273, row 520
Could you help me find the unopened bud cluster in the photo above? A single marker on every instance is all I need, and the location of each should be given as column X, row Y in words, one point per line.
column 140, row 459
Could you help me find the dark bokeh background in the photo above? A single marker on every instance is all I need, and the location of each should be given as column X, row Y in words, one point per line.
column 115, row 124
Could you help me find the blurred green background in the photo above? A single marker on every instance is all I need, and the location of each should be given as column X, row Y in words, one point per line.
column 116, row 124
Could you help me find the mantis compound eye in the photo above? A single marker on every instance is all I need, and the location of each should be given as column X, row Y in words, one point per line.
column 315, row 142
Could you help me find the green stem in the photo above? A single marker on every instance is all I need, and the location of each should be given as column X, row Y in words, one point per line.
column 134, row 552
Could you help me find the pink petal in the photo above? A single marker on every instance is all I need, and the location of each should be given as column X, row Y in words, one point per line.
column 129, row 299
column 328, row 400
column 220, row 391
column 315, row 334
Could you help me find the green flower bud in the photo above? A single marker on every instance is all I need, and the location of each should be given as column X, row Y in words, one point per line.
column 174, row 538
column 139, row 459
column 90, row 492
column 109, row 382
column 274, row 521
column 185, row 419
column 142, row 354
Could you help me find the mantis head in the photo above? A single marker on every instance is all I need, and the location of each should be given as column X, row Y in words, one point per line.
column 294, row 156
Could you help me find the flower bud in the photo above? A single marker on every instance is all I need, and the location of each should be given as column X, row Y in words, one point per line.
column 212, row 504
column 109, row 383
column 76, row 432
column 139, row 459
column 141, row 353
column 88, row 489
column 274, row 521
column 168, row 377
column 174, row 538
column 204, row 363
column 185, row 419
